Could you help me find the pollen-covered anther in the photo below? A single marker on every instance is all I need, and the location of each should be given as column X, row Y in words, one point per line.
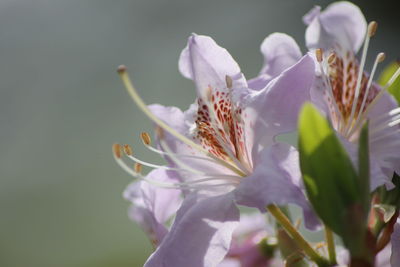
column 117, row 150
column 331, row 58
column 137, row 167
column 145, row 138
column 372, row 27
column 121, row 68
column 128, row 150
column 318, row 54
column 209, row 94
column 381, row 57
column 229, row 82
column 159, row 132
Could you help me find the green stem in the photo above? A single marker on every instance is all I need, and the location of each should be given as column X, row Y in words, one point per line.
column 331, row 245
column 291, row 230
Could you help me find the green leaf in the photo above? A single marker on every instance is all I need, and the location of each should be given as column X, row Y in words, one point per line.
column 331, row 181
column 290, row 251
column 386, row 74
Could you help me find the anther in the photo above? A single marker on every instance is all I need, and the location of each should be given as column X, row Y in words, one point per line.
column 117, row 150
column 331, row 58
column 128, row 150
column 159, row 132
column 209, row 94
column 318, row 54
column 121, row 69
column 381, row 57
column 372, row 27
column 145, row 138
column 137, row 167
column 228, row 81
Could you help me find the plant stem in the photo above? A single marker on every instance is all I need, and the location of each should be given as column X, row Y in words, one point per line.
column 331, row 245
column 291, row 230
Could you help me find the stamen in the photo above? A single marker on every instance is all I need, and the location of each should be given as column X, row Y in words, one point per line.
column 340, row 118
column 386, row 135
column 371, row 32
column 372, row 27
column 138, row 167
column 177, row 161
column 243, row 157
column 151, row 165
column 382, row 121
column 379, row 58
column 220, row 139
column 228, row 81
column 141, row 104
column 388, row 123
column 136, row 173
column 381, row 92
column 145, row 138
column 128, row 150
column 160, row 152
column 331, row 58
column 318, row 54
column 117, row 150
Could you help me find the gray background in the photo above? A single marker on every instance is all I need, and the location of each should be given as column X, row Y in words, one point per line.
column 62, row 106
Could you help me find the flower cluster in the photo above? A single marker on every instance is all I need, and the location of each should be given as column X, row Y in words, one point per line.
column 222, row 153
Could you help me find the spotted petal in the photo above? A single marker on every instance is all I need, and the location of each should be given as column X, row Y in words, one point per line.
column 182, row 122
column 201, row 234
column 340, row 23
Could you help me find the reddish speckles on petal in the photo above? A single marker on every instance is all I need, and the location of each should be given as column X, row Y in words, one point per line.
column 343, row 74
column 226, row 128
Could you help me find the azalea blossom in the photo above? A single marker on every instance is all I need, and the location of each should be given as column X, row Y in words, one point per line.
column 221, row 152
column 253, row 244
column 346, row 93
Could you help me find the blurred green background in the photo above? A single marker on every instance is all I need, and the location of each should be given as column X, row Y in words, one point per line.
column 62, row 105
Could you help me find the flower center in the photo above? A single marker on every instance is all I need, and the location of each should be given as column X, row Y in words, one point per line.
column 219, row 132
column 219, row 128
column 342, row 74
column 351, row 93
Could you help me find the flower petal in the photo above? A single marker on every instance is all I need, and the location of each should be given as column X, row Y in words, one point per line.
column 280, row 52
column 395, row 239
column 153, row 206
column 274, row 110
column 182, row 122
column 201, row 234
column 208, row 64
column 340, row 23
column 230, row 262
column 385, row 142
column 275, row 180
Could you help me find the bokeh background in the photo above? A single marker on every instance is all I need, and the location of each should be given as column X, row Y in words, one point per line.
column 62, row 105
